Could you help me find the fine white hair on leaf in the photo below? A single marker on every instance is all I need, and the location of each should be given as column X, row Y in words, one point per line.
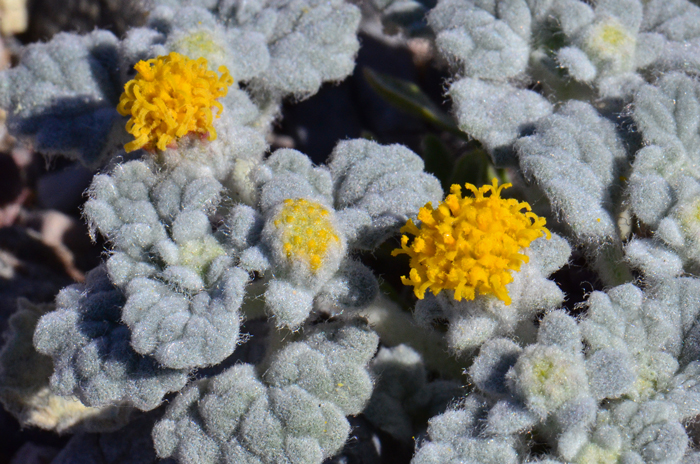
column 294, row 412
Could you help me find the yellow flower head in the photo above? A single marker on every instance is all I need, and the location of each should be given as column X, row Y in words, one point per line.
column 170, row 97
column 469, row 245
column 307, row 232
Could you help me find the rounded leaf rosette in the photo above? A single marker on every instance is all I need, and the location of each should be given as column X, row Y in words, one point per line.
column 308, row 219
column 485, row 260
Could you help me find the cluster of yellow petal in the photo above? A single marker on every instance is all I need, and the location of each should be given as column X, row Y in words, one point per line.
column 469, row 245
column 169, row 97
column 307, row 231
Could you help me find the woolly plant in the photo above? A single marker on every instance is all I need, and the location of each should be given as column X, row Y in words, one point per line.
column 63, row 95
column 250, row 301
column 625, row 397
column 197, row 222
column 605, row 142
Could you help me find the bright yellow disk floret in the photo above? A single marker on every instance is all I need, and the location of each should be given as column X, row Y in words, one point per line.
column 169, row 97
column 469, row 245
column 307, row 232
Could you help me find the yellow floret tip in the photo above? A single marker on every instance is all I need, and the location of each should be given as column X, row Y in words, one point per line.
column 171, row 96
column 307, row 232
column 470, row 244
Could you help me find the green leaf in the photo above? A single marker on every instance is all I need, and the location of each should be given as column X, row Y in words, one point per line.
column 368, row 135
column 472, row 167
column 408, row 97
column 438, row 159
